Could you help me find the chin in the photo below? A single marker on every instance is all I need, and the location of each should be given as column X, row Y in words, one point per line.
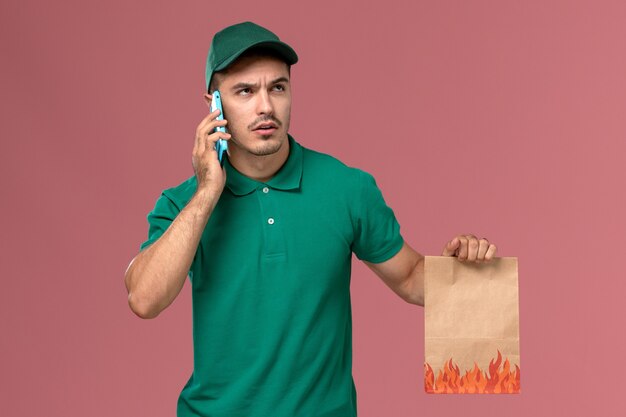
column 267, row 148
column 261, row 146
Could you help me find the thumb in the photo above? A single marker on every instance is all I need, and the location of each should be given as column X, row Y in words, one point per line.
column 451, row 247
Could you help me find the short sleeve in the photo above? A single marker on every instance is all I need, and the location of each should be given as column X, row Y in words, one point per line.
column 377, row 236
column 160, row 218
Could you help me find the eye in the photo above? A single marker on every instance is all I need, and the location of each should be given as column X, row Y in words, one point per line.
column 279, row 87
column 244, row 91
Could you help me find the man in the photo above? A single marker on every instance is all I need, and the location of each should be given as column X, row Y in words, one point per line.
column 267, row 242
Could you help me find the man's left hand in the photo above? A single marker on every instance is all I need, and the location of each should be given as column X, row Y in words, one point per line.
column 470, row 248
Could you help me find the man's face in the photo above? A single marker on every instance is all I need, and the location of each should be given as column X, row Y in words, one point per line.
column 256, row 97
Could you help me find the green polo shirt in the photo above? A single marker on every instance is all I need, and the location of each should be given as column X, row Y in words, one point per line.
column 272, row 325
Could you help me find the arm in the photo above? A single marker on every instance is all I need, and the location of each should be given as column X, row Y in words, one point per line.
column 404, row 272
column 157, row 274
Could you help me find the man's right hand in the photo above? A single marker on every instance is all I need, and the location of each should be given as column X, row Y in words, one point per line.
column 156, row 275
column 210, row 175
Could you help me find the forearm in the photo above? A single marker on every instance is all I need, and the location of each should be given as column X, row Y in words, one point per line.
column 156, row 276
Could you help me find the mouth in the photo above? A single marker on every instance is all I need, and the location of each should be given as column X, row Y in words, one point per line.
column 265, row 128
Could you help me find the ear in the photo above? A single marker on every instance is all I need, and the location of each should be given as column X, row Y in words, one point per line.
column 208, row 98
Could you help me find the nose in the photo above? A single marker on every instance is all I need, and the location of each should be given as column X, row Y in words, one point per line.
column 264, row 105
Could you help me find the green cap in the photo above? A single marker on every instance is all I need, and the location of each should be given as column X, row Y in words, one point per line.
column 228, row 44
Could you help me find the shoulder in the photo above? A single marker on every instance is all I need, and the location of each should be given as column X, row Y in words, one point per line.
column 182, row 193
column 322, row 165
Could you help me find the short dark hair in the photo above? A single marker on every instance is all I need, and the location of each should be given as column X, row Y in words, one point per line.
column 255, row 51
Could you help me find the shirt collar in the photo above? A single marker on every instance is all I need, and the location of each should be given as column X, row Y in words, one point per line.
column 288, row 177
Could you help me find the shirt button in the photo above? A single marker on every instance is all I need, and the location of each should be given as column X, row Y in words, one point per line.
column 266, row 190
column 270, row 220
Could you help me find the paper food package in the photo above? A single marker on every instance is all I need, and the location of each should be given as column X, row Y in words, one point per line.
column 471, row 326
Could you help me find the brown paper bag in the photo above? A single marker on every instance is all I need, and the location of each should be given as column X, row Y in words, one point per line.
column 472, row 326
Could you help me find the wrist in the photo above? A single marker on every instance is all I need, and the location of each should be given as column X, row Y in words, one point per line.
column 206, row 197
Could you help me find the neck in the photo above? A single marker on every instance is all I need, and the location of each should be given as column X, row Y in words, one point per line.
column 258, row 168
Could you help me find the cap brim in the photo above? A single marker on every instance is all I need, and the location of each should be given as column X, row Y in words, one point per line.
column 282, row 49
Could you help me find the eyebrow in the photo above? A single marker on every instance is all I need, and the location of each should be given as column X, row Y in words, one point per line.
column 280, row 80
column 250, row 85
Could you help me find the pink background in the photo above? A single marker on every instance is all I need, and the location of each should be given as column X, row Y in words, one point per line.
column 504, row 119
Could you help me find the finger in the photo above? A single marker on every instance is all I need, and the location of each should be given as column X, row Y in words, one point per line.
column 205, row 122
column 203, row 130
column 483, row 245
column 213, row 138
column 451, row 247
column 462, row 248
column 196, row 144
column 212, row 115
column 491, row 252
column 200, row 142
column 207, row 154
column 206, row 140
column 208, row 118
column 208, row 125
column 472, row 248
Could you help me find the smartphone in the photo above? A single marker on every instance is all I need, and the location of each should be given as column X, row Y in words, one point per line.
column 221, row 146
